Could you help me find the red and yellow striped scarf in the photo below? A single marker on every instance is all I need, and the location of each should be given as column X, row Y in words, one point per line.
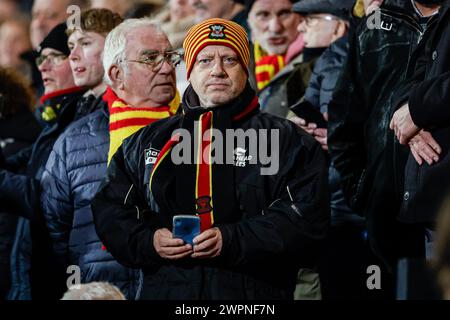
column 266, row 66
column 125, row 120
column 207, row 177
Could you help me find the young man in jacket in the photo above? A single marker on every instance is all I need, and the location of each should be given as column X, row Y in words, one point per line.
column 259, row 222
column 139, row 94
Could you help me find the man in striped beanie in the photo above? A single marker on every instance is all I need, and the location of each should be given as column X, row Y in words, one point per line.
column 255, row 228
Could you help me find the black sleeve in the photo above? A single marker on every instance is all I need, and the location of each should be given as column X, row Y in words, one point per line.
column 293, row 225
column 429, row 102
column 19, row 161
column 121, row 216
column 19, row 194
column 414, row 76
column 347, row 116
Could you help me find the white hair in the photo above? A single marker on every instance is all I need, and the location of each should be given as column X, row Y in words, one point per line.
column 94, row 291
column 116, row 41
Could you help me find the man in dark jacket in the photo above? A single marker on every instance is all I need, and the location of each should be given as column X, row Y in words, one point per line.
column 422, row 122
column 18, row 130
column 258, row 223
column 364, row 152
column 79, row 158
column 19, row 193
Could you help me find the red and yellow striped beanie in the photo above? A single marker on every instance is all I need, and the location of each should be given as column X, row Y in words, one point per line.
column 216, row 31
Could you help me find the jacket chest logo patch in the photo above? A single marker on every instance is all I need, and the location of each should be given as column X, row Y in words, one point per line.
column 241, row 159
column 151, row 155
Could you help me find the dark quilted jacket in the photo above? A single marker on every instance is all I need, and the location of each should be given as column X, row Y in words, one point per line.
column 75, row 168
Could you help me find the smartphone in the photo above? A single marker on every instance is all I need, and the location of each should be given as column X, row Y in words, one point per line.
column 186, row 227
column 310, row 113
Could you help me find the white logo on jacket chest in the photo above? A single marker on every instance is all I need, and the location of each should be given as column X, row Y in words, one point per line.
column 151, row 155
column 240, row 157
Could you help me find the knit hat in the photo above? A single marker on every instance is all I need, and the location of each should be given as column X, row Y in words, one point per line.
column 56, row 39
column 216, row 31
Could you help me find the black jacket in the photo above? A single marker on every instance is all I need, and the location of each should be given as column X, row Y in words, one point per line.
column 361, row 144
column 20, row 195
column 428, row 95
column 262, row 249
column 17, row 131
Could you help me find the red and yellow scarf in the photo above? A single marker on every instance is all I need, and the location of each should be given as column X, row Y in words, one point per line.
column 203, row 188
column 266, row 66
column 125, row 120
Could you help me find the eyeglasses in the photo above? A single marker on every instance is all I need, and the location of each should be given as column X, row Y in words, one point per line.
column 53, row 58
column 312, row 20
column 155, row 61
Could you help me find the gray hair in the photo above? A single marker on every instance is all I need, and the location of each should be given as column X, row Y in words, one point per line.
column 94, row 291
column 116, row 41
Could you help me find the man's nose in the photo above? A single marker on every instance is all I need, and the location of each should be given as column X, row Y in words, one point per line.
column 74, row 54
column 302, row 26
column 165, row 67
column 44, row 66
column 275, row 24
column 217, row 69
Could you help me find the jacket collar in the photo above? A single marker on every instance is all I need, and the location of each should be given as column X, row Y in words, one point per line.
column 61, row 93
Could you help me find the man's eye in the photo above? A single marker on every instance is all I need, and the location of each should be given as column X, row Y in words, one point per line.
column 285, row 14
column 204, row 61
column 85, row 44
column 263, row 15
column 230, row 60
column 150, row 59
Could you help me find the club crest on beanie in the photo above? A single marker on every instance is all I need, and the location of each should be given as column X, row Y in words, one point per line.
column 216, row 31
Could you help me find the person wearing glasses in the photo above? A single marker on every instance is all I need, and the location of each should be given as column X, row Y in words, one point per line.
column 138, row 68
column 19, row 181
column 255, row 228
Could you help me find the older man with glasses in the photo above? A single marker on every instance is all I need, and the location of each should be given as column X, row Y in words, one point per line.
column 139, row 73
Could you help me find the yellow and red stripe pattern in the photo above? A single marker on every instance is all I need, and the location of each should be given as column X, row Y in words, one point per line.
column 216, row 31
column 266, row 68
column 125, row 120
column 203, row 183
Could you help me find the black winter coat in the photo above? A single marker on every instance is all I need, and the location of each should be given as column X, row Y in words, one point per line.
column 262, row 251
column 20, row 195
column 17, row 132
column 361, row 109
column 428, row 96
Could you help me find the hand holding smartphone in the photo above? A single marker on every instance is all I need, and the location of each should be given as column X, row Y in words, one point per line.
column 186, row 227
column 309, row 113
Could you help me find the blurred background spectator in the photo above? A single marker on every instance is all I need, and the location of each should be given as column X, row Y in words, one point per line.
column 15, row 40
column 18, row 129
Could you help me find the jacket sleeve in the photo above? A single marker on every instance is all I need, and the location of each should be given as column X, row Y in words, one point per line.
column 347, row 116
column 121, row 216
column 19, row 194
column 312, row 93
column 19, row 161
column 291, row 228
column 415, row 74
column 429, row 102
column 56, row 201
